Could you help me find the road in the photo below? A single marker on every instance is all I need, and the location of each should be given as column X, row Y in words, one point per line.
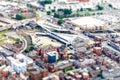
column 24, row 46
column 104, row 44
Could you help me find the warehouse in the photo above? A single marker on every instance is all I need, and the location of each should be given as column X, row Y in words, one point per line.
column 88, row 23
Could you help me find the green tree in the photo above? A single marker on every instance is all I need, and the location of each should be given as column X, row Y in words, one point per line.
column 67, row 11
column 19, row 17
column 48, row 13
column 100, row 7
column 60, row 21
column 81, row 9
column 31, row 48
column 53, row 10
column 110, row 5
column 44, row 2
column 56, row 15
column 26, row 50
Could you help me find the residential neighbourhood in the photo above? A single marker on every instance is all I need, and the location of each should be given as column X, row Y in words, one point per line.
column 59, row 40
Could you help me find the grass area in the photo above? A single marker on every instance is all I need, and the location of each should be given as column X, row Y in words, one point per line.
column 5, row 31
column 68, row 69
column 60, row 60
column 91, row 12
column 87, row 12
column 4, row 39
column 74, row 70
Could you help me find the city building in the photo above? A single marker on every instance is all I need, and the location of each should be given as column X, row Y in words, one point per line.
column 25, row 59
column 70, row 5
column 52, row 56
column 17, row 65
column 97, row 50
column 45, row 49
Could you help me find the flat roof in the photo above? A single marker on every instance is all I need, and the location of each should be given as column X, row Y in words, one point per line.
column 8, row 3
column 34, row 4
column 87, row 21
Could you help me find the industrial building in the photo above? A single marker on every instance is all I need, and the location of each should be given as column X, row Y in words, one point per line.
column 88, row 23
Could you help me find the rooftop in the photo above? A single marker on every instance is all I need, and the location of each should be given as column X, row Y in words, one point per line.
column 88, row 21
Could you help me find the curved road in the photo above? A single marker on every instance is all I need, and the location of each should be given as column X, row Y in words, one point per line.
column 24, row 41
column 24, row 46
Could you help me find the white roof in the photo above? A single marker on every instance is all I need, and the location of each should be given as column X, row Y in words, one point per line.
column 21, row 56
column 35, row 4
column 16, row 62
column 84, row 73
column 88, row 21
column 8, row 3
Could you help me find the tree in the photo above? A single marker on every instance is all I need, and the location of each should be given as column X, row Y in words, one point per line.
column 53, row 10
column 67, row 11
column 17, row 41
column 31, row 47
column 44, row 2
column 56, row 15
column 81, row 9
column 110, row 5
column 60, row 21
column 19, row 17
column 48, row 13
column 100, row 7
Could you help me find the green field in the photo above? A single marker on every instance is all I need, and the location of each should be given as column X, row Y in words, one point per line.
column 4, row 39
